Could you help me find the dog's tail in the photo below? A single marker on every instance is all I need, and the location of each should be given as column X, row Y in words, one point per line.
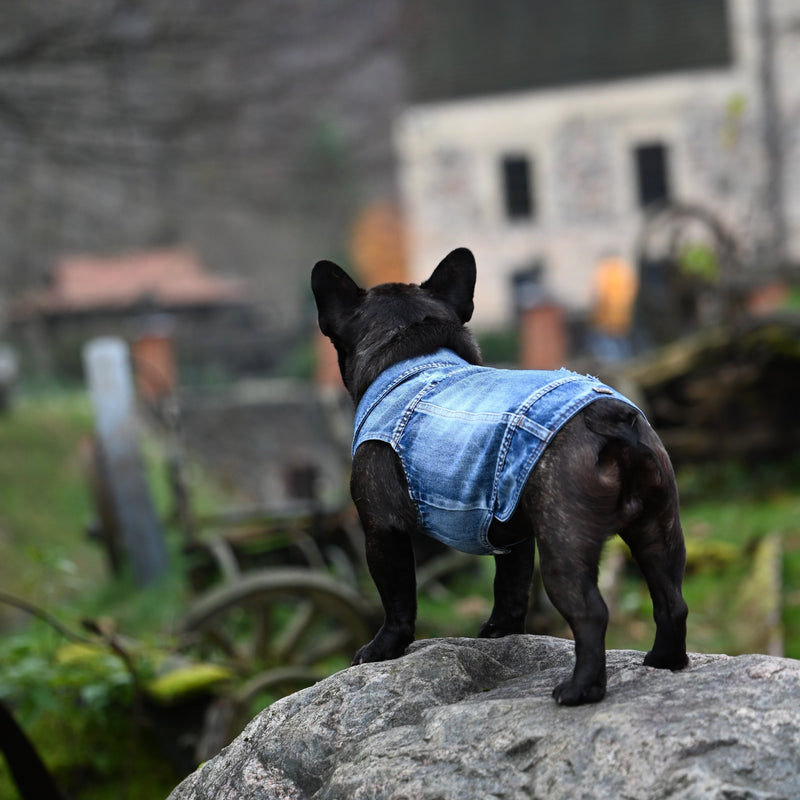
column 615, row 420
column 627, row 444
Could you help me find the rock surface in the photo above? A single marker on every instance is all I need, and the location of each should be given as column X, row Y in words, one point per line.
column 469, row 718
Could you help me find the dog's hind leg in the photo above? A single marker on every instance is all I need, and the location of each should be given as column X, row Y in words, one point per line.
column 655, row 537
column 512, row 587
column 572, row 505
column 658, row 548
column 570, row 579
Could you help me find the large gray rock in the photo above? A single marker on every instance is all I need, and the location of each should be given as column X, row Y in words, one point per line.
column 473, row 718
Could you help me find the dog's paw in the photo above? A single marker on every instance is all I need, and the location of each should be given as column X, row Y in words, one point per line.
column 492, row 630
column 673, row 661
column 369, row 653
column 569, row 693
column 365, row 655
column 384, row 647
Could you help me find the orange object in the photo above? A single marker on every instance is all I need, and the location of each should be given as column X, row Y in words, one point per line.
column 615, row 286
column 154, row 366
column 378, row 245
column 326, row 372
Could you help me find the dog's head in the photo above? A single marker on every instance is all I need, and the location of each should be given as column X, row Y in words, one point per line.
column 373, row 329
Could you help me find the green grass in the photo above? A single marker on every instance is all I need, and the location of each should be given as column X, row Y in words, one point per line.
column 44, row 502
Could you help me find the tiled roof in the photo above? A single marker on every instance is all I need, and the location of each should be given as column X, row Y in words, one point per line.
column 167, row 278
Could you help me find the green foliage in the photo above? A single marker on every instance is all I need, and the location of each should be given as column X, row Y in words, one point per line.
column 793, row 300
column 145, row 613
column 298, row 362
column 499, row 347
column 461, row 605
column 39, row 673
column 76, row 702
column 187, row 680
column 699, row 261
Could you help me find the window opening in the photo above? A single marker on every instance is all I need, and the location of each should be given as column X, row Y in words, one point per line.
column 651, row 173
column 517, row 187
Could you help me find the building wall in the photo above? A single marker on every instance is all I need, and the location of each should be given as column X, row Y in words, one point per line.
column 787, row 79
column 580, row 142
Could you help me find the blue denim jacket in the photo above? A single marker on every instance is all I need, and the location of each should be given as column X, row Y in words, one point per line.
column 468, row 437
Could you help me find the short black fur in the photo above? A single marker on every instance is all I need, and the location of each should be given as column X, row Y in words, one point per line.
column 605, row 472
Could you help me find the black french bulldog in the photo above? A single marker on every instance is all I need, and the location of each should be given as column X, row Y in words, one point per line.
column 404, row 354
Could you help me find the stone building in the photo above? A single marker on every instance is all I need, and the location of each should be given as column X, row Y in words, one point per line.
column 551, row 178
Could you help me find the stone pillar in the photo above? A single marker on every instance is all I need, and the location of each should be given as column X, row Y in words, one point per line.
column 543, row 337
column 108, row 373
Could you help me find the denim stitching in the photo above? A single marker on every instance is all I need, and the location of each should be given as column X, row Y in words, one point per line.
column 444, row 368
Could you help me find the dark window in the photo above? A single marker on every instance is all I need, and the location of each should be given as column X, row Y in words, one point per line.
column 517, row 187
column 651, row 174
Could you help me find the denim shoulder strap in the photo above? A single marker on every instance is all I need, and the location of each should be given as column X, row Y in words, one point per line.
column 425, row 368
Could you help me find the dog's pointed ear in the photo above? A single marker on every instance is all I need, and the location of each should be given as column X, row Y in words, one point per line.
column 336, row 293
column 453, row 281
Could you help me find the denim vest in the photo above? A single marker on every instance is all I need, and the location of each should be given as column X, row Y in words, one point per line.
column 468, row 437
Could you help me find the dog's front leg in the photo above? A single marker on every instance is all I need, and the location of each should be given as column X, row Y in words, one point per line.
column 388, row 517
column 391, row 564
column 512, row 587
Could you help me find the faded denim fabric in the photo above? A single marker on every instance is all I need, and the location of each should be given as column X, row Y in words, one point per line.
column 468, row 437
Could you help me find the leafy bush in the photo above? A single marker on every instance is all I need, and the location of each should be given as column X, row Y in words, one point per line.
column 77, row 704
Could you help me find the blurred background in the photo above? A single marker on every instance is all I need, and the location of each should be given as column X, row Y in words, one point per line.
column 178, row 546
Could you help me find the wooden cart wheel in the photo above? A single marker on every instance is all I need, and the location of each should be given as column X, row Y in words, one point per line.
column 280, row 629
